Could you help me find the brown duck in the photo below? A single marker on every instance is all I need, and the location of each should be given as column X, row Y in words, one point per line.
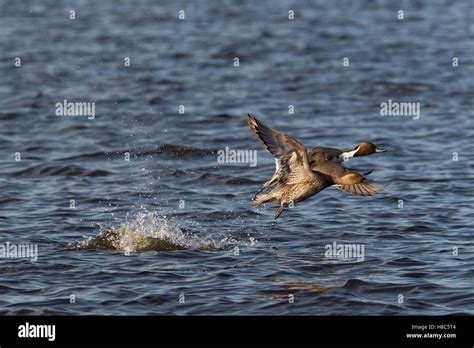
column 300, row 175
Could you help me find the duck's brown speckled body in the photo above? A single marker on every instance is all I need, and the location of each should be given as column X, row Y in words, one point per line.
column 300, row 175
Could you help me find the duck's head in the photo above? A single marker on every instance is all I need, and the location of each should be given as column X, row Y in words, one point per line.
column 366, row 148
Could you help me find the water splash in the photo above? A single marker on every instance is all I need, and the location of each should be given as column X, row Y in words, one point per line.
column 147, row 232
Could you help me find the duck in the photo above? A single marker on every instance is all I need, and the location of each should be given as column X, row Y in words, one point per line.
column 300, row 174
column 318, row 154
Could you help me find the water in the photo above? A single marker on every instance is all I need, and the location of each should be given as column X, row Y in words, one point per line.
column 170, row 221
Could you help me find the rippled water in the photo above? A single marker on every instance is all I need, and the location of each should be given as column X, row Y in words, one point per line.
column 171, row 221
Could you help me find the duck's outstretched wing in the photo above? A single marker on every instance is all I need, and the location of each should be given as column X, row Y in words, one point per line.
column 346, row 179
column 360, row 189
column 277, row 143
column 292, row 164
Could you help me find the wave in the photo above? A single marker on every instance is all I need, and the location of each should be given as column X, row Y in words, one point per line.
column 44, row 170
column 177, row 151
column 225, row 179
column 147, row 232
column 171, row 150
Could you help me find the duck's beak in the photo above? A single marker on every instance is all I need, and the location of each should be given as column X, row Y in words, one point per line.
column 380, row 150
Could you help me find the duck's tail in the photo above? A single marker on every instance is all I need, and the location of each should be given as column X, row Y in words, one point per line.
column 260, row 199
column 267, row 184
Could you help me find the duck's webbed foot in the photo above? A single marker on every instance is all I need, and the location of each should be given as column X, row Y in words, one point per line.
column 279, row 211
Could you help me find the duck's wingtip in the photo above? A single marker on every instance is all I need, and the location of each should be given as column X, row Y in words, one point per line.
column 253, row 123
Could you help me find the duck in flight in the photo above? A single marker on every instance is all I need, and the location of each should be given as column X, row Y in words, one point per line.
column 300, row 174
